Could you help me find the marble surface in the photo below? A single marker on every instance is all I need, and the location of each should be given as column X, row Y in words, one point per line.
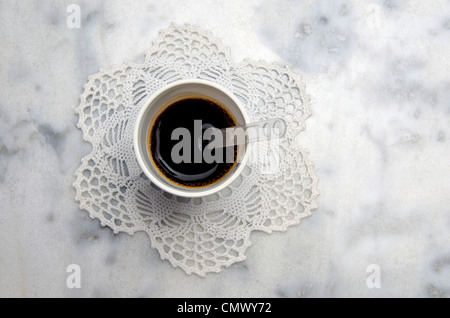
column 378, row 74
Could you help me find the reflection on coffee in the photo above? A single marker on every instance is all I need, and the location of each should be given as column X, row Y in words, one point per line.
column 183, row 165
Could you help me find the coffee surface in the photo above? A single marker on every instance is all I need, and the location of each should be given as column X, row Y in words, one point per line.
column 186, row 114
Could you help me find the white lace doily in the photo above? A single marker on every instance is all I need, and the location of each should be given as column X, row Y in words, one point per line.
column 198, row 235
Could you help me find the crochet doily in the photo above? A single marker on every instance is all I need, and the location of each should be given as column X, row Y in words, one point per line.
column 205, row 234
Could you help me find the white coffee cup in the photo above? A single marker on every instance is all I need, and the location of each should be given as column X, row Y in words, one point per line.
column 156, row 104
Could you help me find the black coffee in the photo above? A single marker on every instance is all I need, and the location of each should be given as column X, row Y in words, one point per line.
column 176, row 135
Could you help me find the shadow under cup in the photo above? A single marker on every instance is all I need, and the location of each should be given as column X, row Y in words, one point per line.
column 157, row 104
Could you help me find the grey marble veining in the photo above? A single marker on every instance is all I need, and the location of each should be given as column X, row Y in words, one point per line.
column 378, row 74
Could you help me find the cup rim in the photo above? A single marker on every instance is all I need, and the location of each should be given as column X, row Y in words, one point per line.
column 201, row 192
